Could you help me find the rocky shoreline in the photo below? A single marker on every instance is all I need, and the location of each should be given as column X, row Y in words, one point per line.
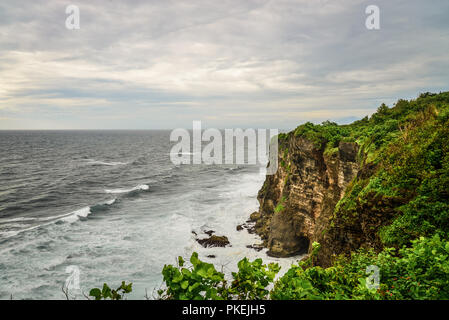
column 211, row 240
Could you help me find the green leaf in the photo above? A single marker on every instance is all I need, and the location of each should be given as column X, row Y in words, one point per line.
column 194, row 286
column 106, row 292
column 184, row 284
column 194, row 259
column 95, row 293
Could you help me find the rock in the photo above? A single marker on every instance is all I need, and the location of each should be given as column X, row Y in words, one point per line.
column 254, row 216
column 211, row 256
column 251, row 229
column 209, row 233
column 214, row 241
column 239, row 227
column 348, row 151
column 256, row 247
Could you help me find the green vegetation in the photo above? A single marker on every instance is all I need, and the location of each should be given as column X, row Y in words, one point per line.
column 280, row 206
column 408, row 146
column 419, row 272
column 107, row 293
column 328, row 134
column 201, row 281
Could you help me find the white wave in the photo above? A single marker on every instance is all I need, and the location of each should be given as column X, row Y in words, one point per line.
column 142, row 187
column 13, row 233
column 19, row 219
column 9, row 234
column 15, row 225
column 66, row 217
column 75, row 215
column 103, row 163
column 69, row 217
column 110, row 202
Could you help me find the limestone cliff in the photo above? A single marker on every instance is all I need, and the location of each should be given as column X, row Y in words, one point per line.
column 296, row 203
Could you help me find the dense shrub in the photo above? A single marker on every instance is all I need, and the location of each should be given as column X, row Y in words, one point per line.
column 201, row 281
column 198, row 282
column 419, row 272
column 409, row 146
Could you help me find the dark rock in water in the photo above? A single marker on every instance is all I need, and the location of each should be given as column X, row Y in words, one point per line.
column 193, row 232
column 214, row 241
column 209, row 233
column 211, row 256
column 251, row 228
column 254, row 216
column 256, row 247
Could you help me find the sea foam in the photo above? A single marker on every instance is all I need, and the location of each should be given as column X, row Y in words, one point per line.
column 142, row 187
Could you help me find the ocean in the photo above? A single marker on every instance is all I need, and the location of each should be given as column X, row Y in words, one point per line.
column 112, row 206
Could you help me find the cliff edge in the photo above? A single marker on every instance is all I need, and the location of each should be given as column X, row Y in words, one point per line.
column 346, row 186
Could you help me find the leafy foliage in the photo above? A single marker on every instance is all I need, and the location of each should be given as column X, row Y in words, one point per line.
column 419, row 272
column 107, row 293
column 408, row 146
column 252, row 279
column 328, row 133
column 199, row 282
column 202, row 281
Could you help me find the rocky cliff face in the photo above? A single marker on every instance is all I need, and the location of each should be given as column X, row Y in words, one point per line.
column 297, row 203
column 380, row 181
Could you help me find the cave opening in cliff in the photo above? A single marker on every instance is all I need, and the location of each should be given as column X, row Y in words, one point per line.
column 304, row 243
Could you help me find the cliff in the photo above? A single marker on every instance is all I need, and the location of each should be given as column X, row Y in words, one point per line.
column 346, row 187
column 297, row 202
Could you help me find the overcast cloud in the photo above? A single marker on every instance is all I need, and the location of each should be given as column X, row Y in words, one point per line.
column 246, row 63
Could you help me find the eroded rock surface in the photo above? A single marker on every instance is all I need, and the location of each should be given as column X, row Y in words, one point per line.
column 297, row 202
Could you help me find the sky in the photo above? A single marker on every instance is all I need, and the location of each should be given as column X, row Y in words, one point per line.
column 228, row 63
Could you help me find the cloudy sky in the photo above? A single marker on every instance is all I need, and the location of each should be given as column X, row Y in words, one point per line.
column 229, row 63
